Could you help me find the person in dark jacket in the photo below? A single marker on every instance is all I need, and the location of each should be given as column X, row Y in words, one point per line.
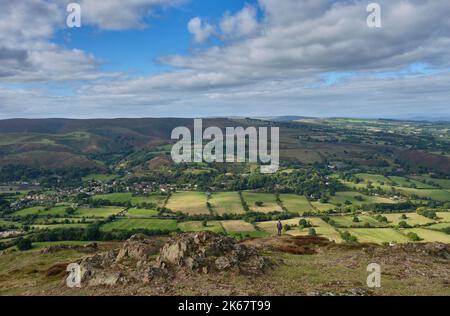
column 279, row 227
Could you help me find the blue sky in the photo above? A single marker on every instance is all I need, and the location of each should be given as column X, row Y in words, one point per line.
column 137, row 50
column 225, row 58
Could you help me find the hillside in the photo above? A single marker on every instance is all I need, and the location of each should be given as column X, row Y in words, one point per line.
column 101, row 144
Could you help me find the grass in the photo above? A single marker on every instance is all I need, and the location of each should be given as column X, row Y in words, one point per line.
column 377, row 235
column 443, row 183
column 98, row 212
column 296, row 203
column 434, row 194
column 439, row 226
column 347, row 221
column 154, row 198
column 324, row 229
column 191, row 203
column 227, row 203
column 406, row 182
column 213, row 226
column 443, row 216
column 237, row 226
column 137, row 212
column 412, row 219
column 323, row 207
column 268, row 200
column 57, row 226
column 40, row 210
column 374, row 178
column 342, row 197
column 5, row 223
column 429, row 235
column 130, row 224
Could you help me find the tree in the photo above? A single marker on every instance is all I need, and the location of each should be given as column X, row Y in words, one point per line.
column 413, row 236
column 24, row 244
column 303, row 223
column 70, row 211
column 312, row 232
column 346, row 236
column 356, row 219
column 403, row 224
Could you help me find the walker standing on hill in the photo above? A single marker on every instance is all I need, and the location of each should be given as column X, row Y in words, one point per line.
column 280, row 227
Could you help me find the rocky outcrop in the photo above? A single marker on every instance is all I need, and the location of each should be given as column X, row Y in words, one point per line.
column 139, row 248
column 208, row 252
column 203, row 252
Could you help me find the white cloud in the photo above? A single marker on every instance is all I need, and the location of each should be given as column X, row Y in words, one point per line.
column 120, row 14
column 201, row 30
column 244, row 23
column 269, row 63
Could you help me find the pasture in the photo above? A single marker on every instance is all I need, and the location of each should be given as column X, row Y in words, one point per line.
column 59, row 210
column 153, row 198
column 226, row 203
column 377, row 235
column 191, row 203
column 98, row 212
column 140, row 213
column 213, row 226
column 237, row 226
column 296, row 203
column 347, row 221
column 412, row 219
column 269, row 203
column 429, row 235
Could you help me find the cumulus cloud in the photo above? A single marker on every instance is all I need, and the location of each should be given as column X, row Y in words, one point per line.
column 121, row 15
column 308, row 57
column 244, row 23
column 201, row 30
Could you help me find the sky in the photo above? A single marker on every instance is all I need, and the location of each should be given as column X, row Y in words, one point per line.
column 202, row 58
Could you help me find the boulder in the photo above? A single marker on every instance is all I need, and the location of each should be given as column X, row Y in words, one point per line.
column 139, row 248
column 208, row 252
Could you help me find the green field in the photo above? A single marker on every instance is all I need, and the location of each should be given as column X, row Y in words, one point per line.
column 323, row 229
column 5, row 223
column 351, row 196
column 323, row 207
column 237, row 226
column 192, row 203
column 443, row 183
column 429, row 235
column 435, row 194
column 296, row 203
column 226, row 203
column 40, row 211
column 213, row 226
column 150, row 224
column 376, row 179
column 412, row 219
column 377, row 235
column 98, row 212
column 406, row 182
column 347, row 221
column 154, row 198
column 141, row 213
column 58, row 226
column 439, row 226
column 444, row 216
column 269, row 202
